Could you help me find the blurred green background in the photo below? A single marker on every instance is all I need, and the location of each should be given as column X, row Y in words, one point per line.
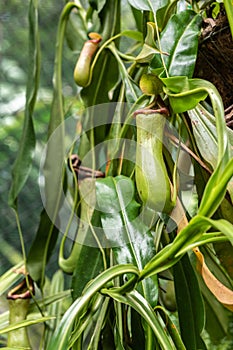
column 13, row 72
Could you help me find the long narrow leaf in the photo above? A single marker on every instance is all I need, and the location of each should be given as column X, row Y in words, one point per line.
column 39, row 252
column 205, row 134
column 222, row 225
column 55, row 309
column 24, row 323
column 47, row 233
column 191, row 312
column 9, row 278
column 137, row 302
column 22, row 165
column 229, row 10
column 61, row 336
column 215, row 189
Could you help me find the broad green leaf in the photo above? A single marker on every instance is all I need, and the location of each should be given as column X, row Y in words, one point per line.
column 22, row 165
column 83, row 272
column 61, row 336
column 180, row 40
column 148, row 5
column 217, row 317
column 83, row 236
column 183, row 93
column 140, row 4
column 182, row 84
column 189, row 304
column 165, row 13
column 125, row 232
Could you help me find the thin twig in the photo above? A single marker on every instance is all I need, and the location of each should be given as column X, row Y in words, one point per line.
column 188, row 150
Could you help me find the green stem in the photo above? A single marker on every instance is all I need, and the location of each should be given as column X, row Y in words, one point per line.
column 18, row 310
column 159, row 43
column 20, row 236
column 25, row 259
column 57, row 77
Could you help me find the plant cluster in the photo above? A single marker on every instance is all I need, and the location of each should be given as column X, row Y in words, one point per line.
column 149, row 270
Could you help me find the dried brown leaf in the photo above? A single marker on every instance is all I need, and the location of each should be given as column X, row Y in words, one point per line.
column 219, row 290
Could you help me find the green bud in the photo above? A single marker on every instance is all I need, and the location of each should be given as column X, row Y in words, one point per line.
column 150, row 84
